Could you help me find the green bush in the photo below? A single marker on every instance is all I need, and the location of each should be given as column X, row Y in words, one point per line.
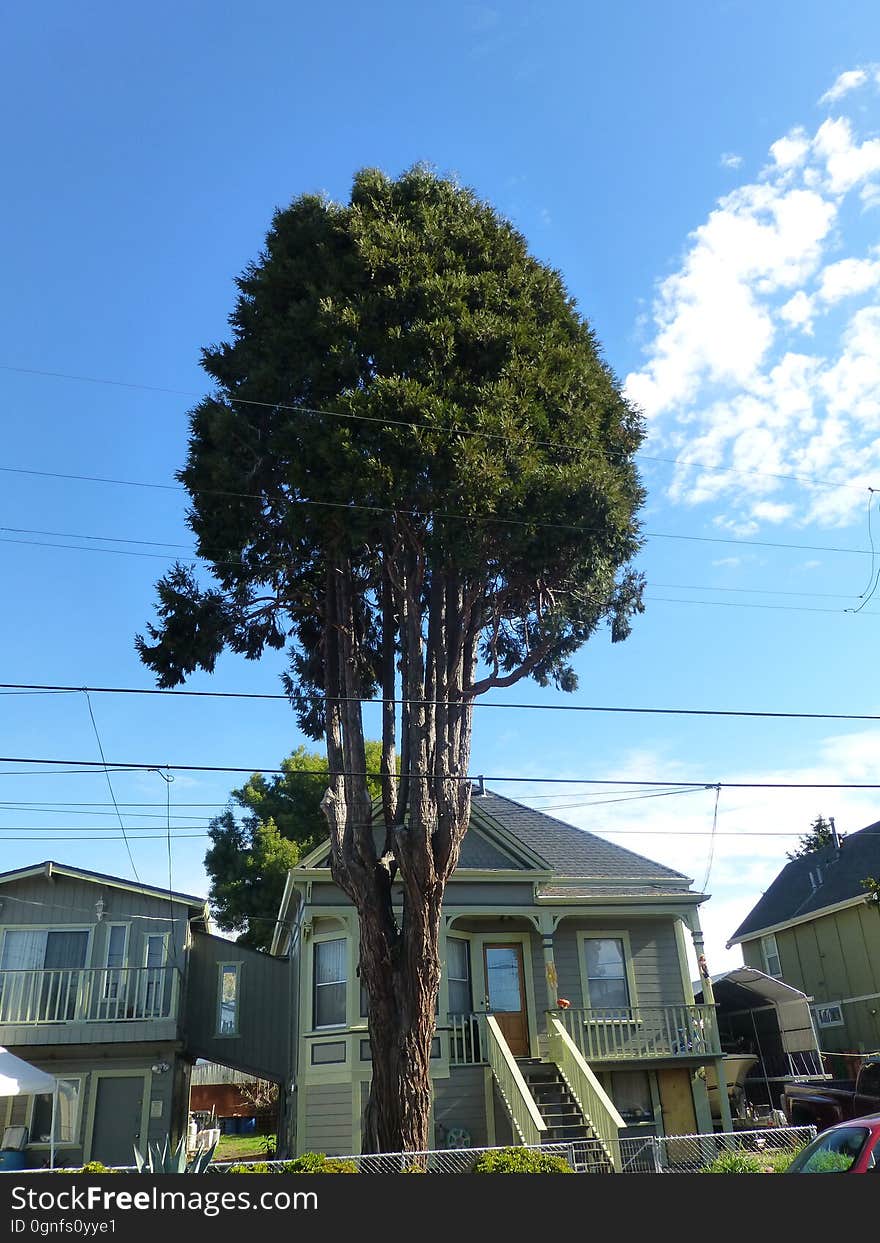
column 308, row 1163
column 829, row 1163
column 97, row 1167
column 521, row 1161
column 778, row 1162
column 735, row 1163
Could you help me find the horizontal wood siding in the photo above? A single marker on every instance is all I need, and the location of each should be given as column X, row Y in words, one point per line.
column 262, row 1045
column 655, row 959
column 460, row 1103
column 328, row 1118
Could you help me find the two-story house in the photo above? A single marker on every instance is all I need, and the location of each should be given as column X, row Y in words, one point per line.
column 566, row 1007
column 115, row 988
column 817, row 929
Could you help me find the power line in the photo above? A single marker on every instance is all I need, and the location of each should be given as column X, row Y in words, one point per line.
column 455, row 429
column 498, row 520
column 478, row 703
column 110, row 786
column 616, row 781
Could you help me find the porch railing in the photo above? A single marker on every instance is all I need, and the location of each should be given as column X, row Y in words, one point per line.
column 521, row 1106
column 641, row 1032
column 593, row 1101
column 88, row 995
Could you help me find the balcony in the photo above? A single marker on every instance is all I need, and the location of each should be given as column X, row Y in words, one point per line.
column 95, row 1000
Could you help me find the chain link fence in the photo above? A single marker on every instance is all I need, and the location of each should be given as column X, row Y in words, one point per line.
column 688, row 1154
column 431, row 1161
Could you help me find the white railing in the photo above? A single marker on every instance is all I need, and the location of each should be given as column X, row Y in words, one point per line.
column 88, row 995
column 524, row 1113
column 626, row 1033
column 465, row 1042
column 593, row 1101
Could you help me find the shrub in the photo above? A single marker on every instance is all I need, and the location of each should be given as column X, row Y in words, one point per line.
column 308, row 1163
column 779, row 1161
column 97, row 1167
column 521, row 1161
column 734, row 1163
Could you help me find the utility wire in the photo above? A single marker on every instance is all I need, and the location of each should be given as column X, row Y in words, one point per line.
column 498, row 520
column 478, row 703
column 712, row 839
column 110, row 786
column 453, row 429
column 616, row 781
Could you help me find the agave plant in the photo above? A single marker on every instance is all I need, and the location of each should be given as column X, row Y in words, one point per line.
column 162, row 1159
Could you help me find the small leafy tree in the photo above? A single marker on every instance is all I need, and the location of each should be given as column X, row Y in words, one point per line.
column 821, row 834
column 415, row 471
column 251, row 853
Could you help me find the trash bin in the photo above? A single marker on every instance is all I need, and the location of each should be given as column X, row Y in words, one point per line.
column 12, row 1159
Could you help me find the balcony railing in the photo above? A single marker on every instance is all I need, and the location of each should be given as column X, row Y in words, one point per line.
column 642, row 1032
column 88, row 995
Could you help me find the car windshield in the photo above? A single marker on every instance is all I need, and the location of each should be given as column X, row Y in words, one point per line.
column 831, row 1153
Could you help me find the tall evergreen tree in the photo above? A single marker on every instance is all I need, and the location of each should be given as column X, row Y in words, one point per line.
column 819, row 836
column 415, row 470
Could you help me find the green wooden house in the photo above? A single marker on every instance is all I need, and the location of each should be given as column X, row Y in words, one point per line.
column 566, row 1009
column 817, row 929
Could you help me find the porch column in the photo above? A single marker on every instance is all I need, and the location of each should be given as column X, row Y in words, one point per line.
column 551, row 980
column 699, row 950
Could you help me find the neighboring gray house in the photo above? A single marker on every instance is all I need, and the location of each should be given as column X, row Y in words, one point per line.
column 537, row 911
column 116, row 988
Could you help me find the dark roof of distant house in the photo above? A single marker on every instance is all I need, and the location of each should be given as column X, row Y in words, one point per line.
column 569, row 851
column 836, row 877
column 49, row 868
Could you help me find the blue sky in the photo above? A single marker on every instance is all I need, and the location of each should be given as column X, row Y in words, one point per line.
column 716, row 222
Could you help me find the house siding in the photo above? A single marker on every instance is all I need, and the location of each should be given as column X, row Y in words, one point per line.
column 655, row 959
column 264, row 1021
column 327, row 1125
column 460, row 1104
column 832, row 958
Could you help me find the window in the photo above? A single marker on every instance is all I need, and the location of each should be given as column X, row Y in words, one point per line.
column 67, row 1117
column 113, row 977
column 227, row 1009
column 607, row 983
column 59, row 957
column 458, row 970
column 631, row 1093
column 330, row 981
column 770, row 952
column 155, row 999
column 829, row 1014
column 832, row 1153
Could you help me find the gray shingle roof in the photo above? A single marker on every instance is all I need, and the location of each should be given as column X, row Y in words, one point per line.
column 792, row 894
column 570, row 851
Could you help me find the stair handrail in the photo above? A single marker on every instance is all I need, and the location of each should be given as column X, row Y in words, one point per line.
column 521, row 1105
column 593, row 1101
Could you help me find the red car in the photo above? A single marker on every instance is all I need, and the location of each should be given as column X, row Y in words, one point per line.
column 851, row 1147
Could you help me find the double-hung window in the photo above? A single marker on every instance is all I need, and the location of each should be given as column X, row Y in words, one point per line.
column 330, row 978
column 606, row 974
column 66, row 1117
column 458, row 972
column 227, row 1006
column 770, row 954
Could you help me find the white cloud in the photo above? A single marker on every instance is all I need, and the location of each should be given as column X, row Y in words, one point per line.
column 730, row 160
column 790, row 150
column 721, row 384
column 748, row 850
column 848, row 277
column 846, row 82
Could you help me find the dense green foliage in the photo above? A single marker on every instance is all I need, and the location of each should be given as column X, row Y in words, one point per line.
column 419, row 310
column 279, row 822
column 775, row 1161
column 521, row 1161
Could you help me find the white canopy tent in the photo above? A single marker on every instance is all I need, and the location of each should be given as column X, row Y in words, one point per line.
column 19, row 1078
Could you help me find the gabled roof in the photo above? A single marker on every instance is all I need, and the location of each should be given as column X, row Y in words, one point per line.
column 49, row 868
column 523, row 839
column 837, row 877
column 568, row 851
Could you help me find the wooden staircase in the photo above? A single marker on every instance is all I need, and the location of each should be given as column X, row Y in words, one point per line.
column 566, row 1123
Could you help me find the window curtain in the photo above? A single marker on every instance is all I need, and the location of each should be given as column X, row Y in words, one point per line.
column 23, row 950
